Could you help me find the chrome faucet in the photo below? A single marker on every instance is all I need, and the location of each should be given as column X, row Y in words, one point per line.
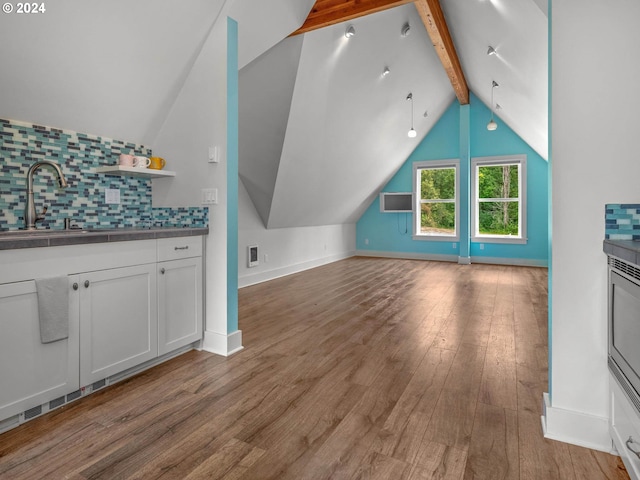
column 30, row 216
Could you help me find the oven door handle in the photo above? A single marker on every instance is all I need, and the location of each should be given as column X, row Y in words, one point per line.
column 629, row 444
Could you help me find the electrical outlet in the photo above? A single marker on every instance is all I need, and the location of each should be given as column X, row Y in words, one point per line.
column 209, row 196
column 266, row 257
column 482, row 246
column 111, row 196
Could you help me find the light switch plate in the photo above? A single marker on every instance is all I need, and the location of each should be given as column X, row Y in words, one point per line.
column 214, row 154
column 209, row 196
column 111, row 196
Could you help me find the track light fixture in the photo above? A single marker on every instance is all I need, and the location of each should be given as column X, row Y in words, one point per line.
column 386, row 71
column 492, row 125
column 491, row 51
column 406, row 30
column 411, row 133
column 350, row 31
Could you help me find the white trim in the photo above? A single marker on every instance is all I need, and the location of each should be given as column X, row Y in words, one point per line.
column 517, row 262
column 521, row 161
column 464, row 260
column 577, row 428
column 221, row 344
column 247, row 280
column 408, row 255
column 417, row 199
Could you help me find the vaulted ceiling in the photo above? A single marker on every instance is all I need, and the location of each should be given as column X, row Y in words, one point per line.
column 322, row 130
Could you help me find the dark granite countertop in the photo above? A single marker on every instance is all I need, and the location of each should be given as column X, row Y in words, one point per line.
column 628, row 250
column 52, row 238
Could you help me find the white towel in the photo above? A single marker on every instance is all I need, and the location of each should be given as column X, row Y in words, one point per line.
column 53, row 308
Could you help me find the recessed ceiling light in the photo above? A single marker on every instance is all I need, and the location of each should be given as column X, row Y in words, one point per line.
column 350, row 32
column 406, row 30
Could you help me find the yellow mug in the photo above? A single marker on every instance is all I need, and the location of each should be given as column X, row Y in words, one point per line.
column 157, row 163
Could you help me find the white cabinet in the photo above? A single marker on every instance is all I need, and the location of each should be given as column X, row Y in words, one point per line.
column 32, row 373
column 118, row 320
column 133, row 301
column 179, row 293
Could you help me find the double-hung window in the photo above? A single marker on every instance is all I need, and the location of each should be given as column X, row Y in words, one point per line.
column 498, row 193
column 435, row 188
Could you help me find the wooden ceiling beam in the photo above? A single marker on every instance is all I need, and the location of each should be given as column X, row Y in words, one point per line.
column 330, row 12
column 433, row 19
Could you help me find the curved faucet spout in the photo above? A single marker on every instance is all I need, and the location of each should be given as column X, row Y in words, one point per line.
column 30, row 216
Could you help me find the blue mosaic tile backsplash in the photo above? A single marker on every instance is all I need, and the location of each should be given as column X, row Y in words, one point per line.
column 622, row 221
column 22, row 144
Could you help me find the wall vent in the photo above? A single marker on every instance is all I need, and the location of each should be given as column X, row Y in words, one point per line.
column 74, row 395
column 33, row 412
column 56, row 403
column 252, row 256
column 99, row 384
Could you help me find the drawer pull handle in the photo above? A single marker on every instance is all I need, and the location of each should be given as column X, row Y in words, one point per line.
column 75, row 286
column 86, row 284
column 629, row 444
column 162, row 270
column 182, row 248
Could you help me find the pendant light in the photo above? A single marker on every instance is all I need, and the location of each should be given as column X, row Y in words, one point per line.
column 411, row 133
column 492, row 125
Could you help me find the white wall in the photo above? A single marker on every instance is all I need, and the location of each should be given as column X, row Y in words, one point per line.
column 594, row 153
column 197, row 121
column 289, row 250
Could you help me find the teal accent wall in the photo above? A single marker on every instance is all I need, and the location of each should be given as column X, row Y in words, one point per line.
column 465, row 181
column 232, row 175
column 462, row 129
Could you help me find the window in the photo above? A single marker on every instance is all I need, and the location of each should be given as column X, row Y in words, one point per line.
column 499, row 199
column 436, row 196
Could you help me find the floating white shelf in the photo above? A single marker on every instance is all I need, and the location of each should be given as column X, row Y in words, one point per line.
column 134, row 172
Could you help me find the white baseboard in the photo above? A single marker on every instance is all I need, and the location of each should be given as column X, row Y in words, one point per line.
column 220, row 344
column 264, row 276
column 518, row 262
column 407, row 255
column 576, row 428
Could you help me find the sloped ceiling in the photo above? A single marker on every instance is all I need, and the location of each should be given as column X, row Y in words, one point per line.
column 111, row 68
column 115, row 67
column 345, row 132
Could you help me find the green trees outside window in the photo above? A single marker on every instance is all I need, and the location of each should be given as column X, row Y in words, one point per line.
column 498, row 200
column 438, row 201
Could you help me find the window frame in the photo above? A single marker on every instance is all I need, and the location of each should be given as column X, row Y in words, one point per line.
column 417, row 199
column 521, row 161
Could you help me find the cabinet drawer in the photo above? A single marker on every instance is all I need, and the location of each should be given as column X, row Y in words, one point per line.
column 179, row 247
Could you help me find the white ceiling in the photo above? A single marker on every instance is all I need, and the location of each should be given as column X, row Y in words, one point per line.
column 340, row 135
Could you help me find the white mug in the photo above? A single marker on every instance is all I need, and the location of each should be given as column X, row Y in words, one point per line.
column 141, row 162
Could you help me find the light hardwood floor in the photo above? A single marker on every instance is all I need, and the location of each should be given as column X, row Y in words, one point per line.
column 361, row 369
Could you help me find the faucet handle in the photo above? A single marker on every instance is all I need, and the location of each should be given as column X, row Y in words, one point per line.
column 41, row 216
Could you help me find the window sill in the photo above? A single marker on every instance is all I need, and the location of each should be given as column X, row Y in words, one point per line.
column 514, row 240
column 436, row 238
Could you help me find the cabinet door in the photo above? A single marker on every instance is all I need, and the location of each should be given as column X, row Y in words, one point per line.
column 118, row 320
column 179, row 303
column 33, row 373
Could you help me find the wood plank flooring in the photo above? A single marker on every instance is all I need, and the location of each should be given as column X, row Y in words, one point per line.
column 362, row 369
